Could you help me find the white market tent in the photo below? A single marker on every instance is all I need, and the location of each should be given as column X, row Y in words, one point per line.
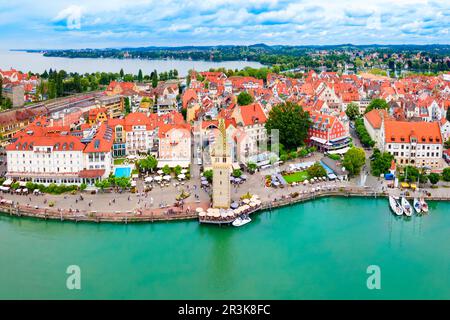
column 340, row 151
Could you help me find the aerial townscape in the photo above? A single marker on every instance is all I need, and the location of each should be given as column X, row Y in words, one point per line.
column 203, row 150
column 154, row 142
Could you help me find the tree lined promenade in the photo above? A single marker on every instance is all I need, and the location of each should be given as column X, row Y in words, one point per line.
column 129, row 208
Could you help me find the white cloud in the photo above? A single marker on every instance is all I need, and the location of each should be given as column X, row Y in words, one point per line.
column 72, row 15
column 140, row 22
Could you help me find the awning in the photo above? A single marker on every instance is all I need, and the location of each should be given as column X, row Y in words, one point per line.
column 319, row 140
column 339, row 151
column 93, row 173
column 7, row 182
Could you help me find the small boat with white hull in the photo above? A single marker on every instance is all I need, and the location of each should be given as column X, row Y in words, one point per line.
column 395, row 206
column 417, row 205
column 424, row 205
column 407, row 209
column 240, row 221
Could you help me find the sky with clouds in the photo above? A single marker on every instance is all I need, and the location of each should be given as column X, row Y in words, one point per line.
column 118, row 23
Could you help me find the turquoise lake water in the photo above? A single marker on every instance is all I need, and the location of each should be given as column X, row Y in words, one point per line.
column 316, row 250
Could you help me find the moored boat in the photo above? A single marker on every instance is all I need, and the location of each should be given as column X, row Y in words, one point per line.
column 417, row 205
column 240, row 221
column 395, row 206
column 424, row 205
column 406, row 207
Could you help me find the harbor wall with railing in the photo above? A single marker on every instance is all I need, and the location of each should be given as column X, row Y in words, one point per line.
column 138, row 215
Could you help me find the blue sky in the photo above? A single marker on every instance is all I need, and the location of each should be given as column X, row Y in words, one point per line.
column 118, row 23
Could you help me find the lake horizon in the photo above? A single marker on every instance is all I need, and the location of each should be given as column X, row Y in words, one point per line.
column 36, row 62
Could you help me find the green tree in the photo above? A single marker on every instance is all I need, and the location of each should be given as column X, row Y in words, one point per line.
column 166, row 169
column 354, row 159
column 381, row 162
column 316, row 170
column 7, row 103
column 122, row 182
column 447, row 115
column 147, row 164
column 446, row 174
column 140, row 77
column 208, row 174
column 154, row 79
column 244, row 98
column 362, row 133
column 177, row 170
column 188, row 79
column 184, row 113
column 377, row 104
column 127, row 105
column 121, row 73
column 291, row 121
column 447, row 143
column 434, row 178
column 251, row 166
column 236, row 173
column 352, row 111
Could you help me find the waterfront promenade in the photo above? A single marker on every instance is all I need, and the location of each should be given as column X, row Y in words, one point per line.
column 127, row 207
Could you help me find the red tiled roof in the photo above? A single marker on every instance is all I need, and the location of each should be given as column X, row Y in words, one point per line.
column 403, row 131
column 59, row 143
column 375, row 116
column 252, row 113
column 102, row 141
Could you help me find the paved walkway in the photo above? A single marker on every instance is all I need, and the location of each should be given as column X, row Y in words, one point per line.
column 160, row 201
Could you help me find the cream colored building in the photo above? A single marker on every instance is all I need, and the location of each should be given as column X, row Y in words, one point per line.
column 221, row 163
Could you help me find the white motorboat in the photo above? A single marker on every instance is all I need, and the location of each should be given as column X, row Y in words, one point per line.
column 240, row 221
column 424, row 205
column 407, row 209
column 395, row 206
column 417, row 205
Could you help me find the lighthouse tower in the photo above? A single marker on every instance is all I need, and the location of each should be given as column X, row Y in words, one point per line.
column 221, row 163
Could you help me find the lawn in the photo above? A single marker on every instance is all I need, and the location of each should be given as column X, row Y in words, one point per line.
column 296, row 177
column 119, row 161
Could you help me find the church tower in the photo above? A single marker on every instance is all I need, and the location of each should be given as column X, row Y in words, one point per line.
column 221, row 163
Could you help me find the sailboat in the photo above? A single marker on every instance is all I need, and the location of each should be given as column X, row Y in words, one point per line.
column 395, row 206
column 417, row 205
column 406, row 207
